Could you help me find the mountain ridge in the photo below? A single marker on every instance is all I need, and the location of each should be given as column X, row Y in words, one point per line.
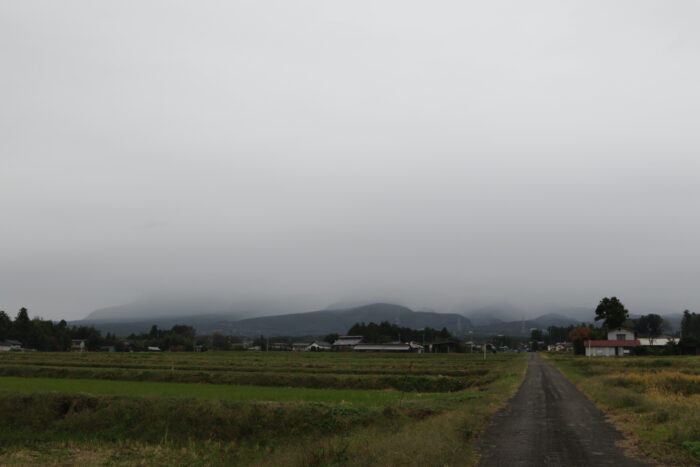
column 481, row 322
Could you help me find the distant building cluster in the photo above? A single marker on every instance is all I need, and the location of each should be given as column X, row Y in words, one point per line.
column 357, row 344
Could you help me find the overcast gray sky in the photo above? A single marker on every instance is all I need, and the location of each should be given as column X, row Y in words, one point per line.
column 536, row 153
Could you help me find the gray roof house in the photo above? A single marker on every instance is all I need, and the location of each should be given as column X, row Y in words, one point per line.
column 393, row 347
column 8, row 345
column 346, row 342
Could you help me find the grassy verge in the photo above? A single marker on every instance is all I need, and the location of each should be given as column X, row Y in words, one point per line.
column 655, row 400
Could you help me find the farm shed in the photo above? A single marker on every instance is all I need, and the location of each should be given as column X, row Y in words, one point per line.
column 9, row 345
column 300, row 346
column 280, row 346
column 345, row 343
column 657, row 341
column 394, row 347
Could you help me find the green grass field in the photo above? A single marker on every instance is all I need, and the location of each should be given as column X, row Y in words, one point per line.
column 246, row 408
column 200, row 390
column 421, row 373
column 654, row 400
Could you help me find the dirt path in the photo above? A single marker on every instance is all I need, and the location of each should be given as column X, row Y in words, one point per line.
column 550, row 423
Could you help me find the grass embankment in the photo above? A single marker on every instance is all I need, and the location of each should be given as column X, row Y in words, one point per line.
column 199, row 390
column 655, row 400
column 59, row 421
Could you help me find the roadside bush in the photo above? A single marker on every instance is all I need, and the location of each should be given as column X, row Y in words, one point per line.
column 650, row 363
column 687, row 386
column 625, row 399
column 628, row 383
column 693, row 447
column 469, row 428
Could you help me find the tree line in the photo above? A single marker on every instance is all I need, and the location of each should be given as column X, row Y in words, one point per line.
column 387, row 332
column 180, row 337
column 45, row 335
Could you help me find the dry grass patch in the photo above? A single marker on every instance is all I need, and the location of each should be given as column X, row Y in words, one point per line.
column 656, row 401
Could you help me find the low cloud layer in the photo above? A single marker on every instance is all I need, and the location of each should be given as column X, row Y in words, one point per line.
column 536, row 154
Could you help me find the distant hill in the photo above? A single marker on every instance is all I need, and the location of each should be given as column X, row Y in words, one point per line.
column 295, row 324
column 488, row 316
column 553, row 319
column 235, row 319
column 521, row 328
column 480, row 314
column 204, row 324
column 166, row 307
column 328, row 321
column 160, row 308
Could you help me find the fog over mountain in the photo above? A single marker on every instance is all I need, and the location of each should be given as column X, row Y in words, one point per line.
column 316, row 323
column 275, row 156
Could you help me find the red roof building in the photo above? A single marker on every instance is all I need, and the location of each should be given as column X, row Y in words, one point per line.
column 609, row 348
column 613, row 343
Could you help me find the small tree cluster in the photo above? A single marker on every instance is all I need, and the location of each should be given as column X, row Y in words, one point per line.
column 651, row 326
column 179, row 337
column 612, row 312
column 690, row 333
column 578, row 336
column 690, row 325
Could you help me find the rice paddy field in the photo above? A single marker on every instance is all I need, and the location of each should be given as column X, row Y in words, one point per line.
column 654, row 400
column 249, row 408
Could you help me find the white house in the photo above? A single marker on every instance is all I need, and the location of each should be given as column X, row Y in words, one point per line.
column 620, row 334
column 317, row 346
column 77, row 345
column 619, row 343
column 9, row 345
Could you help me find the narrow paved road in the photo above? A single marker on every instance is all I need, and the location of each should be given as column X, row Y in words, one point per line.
column 550, row 423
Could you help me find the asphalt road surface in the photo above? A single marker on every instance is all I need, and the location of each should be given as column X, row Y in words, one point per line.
column 550, row 423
